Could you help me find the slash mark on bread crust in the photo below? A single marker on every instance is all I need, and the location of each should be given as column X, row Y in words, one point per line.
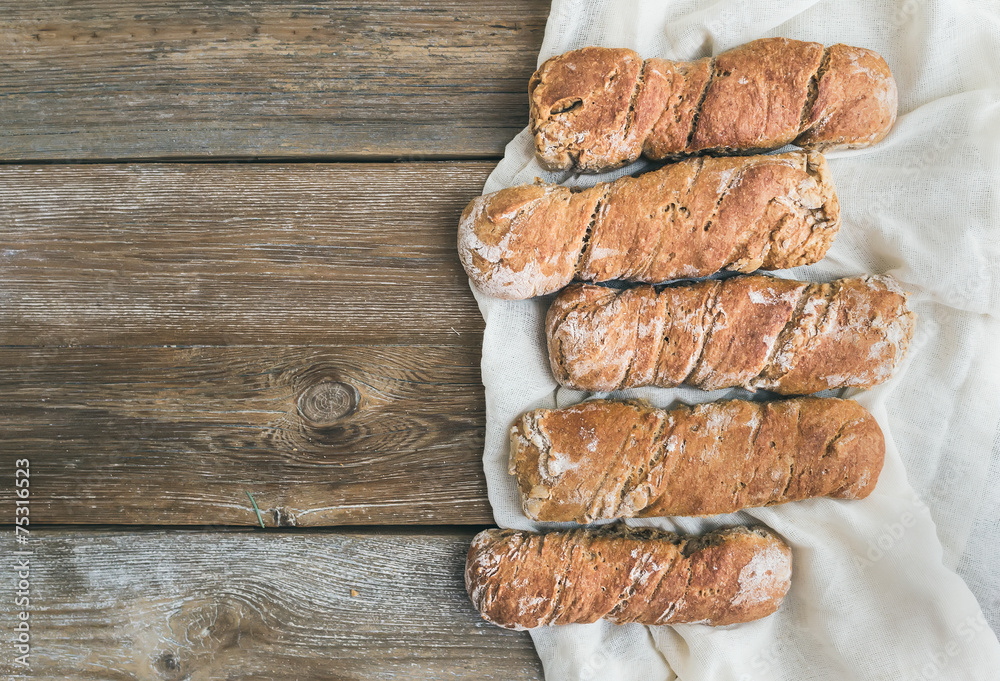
column 613, row 463
column 591, row 225
column 630, row 115
column 788, row 485
column 735, row 180
column 807, row 106
column 701, row 101
column 687, row 587
column 782, row 338
column 561, row 576
column 762, row 410
column 635, row 351
column 709, row 317
column 640, row 475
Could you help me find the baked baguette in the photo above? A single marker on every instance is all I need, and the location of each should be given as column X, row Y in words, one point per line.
column 522, row 580
column 610, row 459
column 599, row 108
column 754, row 331
column 689, row 219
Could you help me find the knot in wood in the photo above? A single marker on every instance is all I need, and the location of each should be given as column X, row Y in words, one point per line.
column 323, row 404
column 168, row 663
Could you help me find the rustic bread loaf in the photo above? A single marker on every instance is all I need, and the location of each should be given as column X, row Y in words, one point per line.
column 689, row 219
column 611, row 459
column 754, row 331
column 599, row 108
column 522, row 580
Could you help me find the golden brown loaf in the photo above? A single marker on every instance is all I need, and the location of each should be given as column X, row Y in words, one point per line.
column 599, row 108
column 754, row 331
column 611, row 459
column 522, row 580
column 689, row 219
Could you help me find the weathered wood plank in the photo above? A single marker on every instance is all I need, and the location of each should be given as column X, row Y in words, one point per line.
column 224, row 254
column 112, row 79
column 178, row 436
column 223, row 605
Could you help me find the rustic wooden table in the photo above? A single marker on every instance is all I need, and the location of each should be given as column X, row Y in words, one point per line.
column 227, row 266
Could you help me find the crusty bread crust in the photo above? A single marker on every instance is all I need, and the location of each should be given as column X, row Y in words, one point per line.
column 688, row 219
column 596, row 108
column 755, row 331
column 522, row 580
column 611, row 459
column 855, row 103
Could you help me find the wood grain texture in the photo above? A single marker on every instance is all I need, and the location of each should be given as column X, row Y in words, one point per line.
column 113, row 79
column 235, row 254
column 222, row 605
column 178, row 436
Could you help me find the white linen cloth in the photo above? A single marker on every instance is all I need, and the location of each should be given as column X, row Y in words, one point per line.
column 884, row 588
